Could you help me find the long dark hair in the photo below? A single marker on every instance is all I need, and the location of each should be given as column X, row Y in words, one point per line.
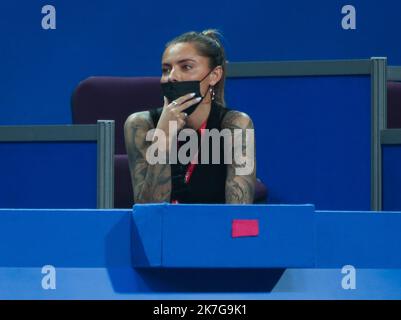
column 208, row 45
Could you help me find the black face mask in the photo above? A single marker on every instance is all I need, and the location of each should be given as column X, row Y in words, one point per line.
column 174, row 90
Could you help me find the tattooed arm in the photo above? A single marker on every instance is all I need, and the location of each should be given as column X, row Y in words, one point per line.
column 151, row 183
column 241, row 174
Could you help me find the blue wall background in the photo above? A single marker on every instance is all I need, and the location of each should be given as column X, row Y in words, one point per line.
column 48, row 175
column 40, row 68
column 313, row 140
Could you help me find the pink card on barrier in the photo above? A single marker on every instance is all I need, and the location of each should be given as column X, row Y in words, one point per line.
column 245, row 228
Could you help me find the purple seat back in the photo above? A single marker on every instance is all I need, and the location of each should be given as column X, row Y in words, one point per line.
column 393, row 105
column 114, row 98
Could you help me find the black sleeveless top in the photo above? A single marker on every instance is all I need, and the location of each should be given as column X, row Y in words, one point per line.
column 207, row 183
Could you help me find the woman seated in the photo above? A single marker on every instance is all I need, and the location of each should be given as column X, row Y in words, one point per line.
column 222, row 170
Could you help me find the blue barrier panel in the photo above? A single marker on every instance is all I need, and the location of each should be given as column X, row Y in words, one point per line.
column 204, row 236
column 391, row 177
column 361, row 239
column 313, row 137
column 65, row 238
column 90, row 251
column 48, row 175
column 341, row 283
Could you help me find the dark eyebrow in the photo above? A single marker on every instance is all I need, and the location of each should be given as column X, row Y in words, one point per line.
column 185, row 60
column 180, row 61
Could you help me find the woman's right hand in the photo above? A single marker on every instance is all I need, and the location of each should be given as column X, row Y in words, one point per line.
column 175, row 111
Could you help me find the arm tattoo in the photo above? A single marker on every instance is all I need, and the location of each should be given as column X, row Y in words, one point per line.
column 151, row 183
column 239, row 188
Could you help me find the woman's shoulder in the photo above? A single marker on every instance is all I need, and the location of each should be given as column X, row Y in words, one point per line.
column 237, row 119
column 141, row 118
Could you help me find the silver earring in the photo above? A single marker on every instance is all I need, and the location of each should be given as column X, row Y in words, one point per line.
column 212, row 93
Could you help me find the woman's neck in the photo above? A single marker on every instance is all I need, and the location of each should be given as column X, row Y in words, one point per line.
column 199, row 116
